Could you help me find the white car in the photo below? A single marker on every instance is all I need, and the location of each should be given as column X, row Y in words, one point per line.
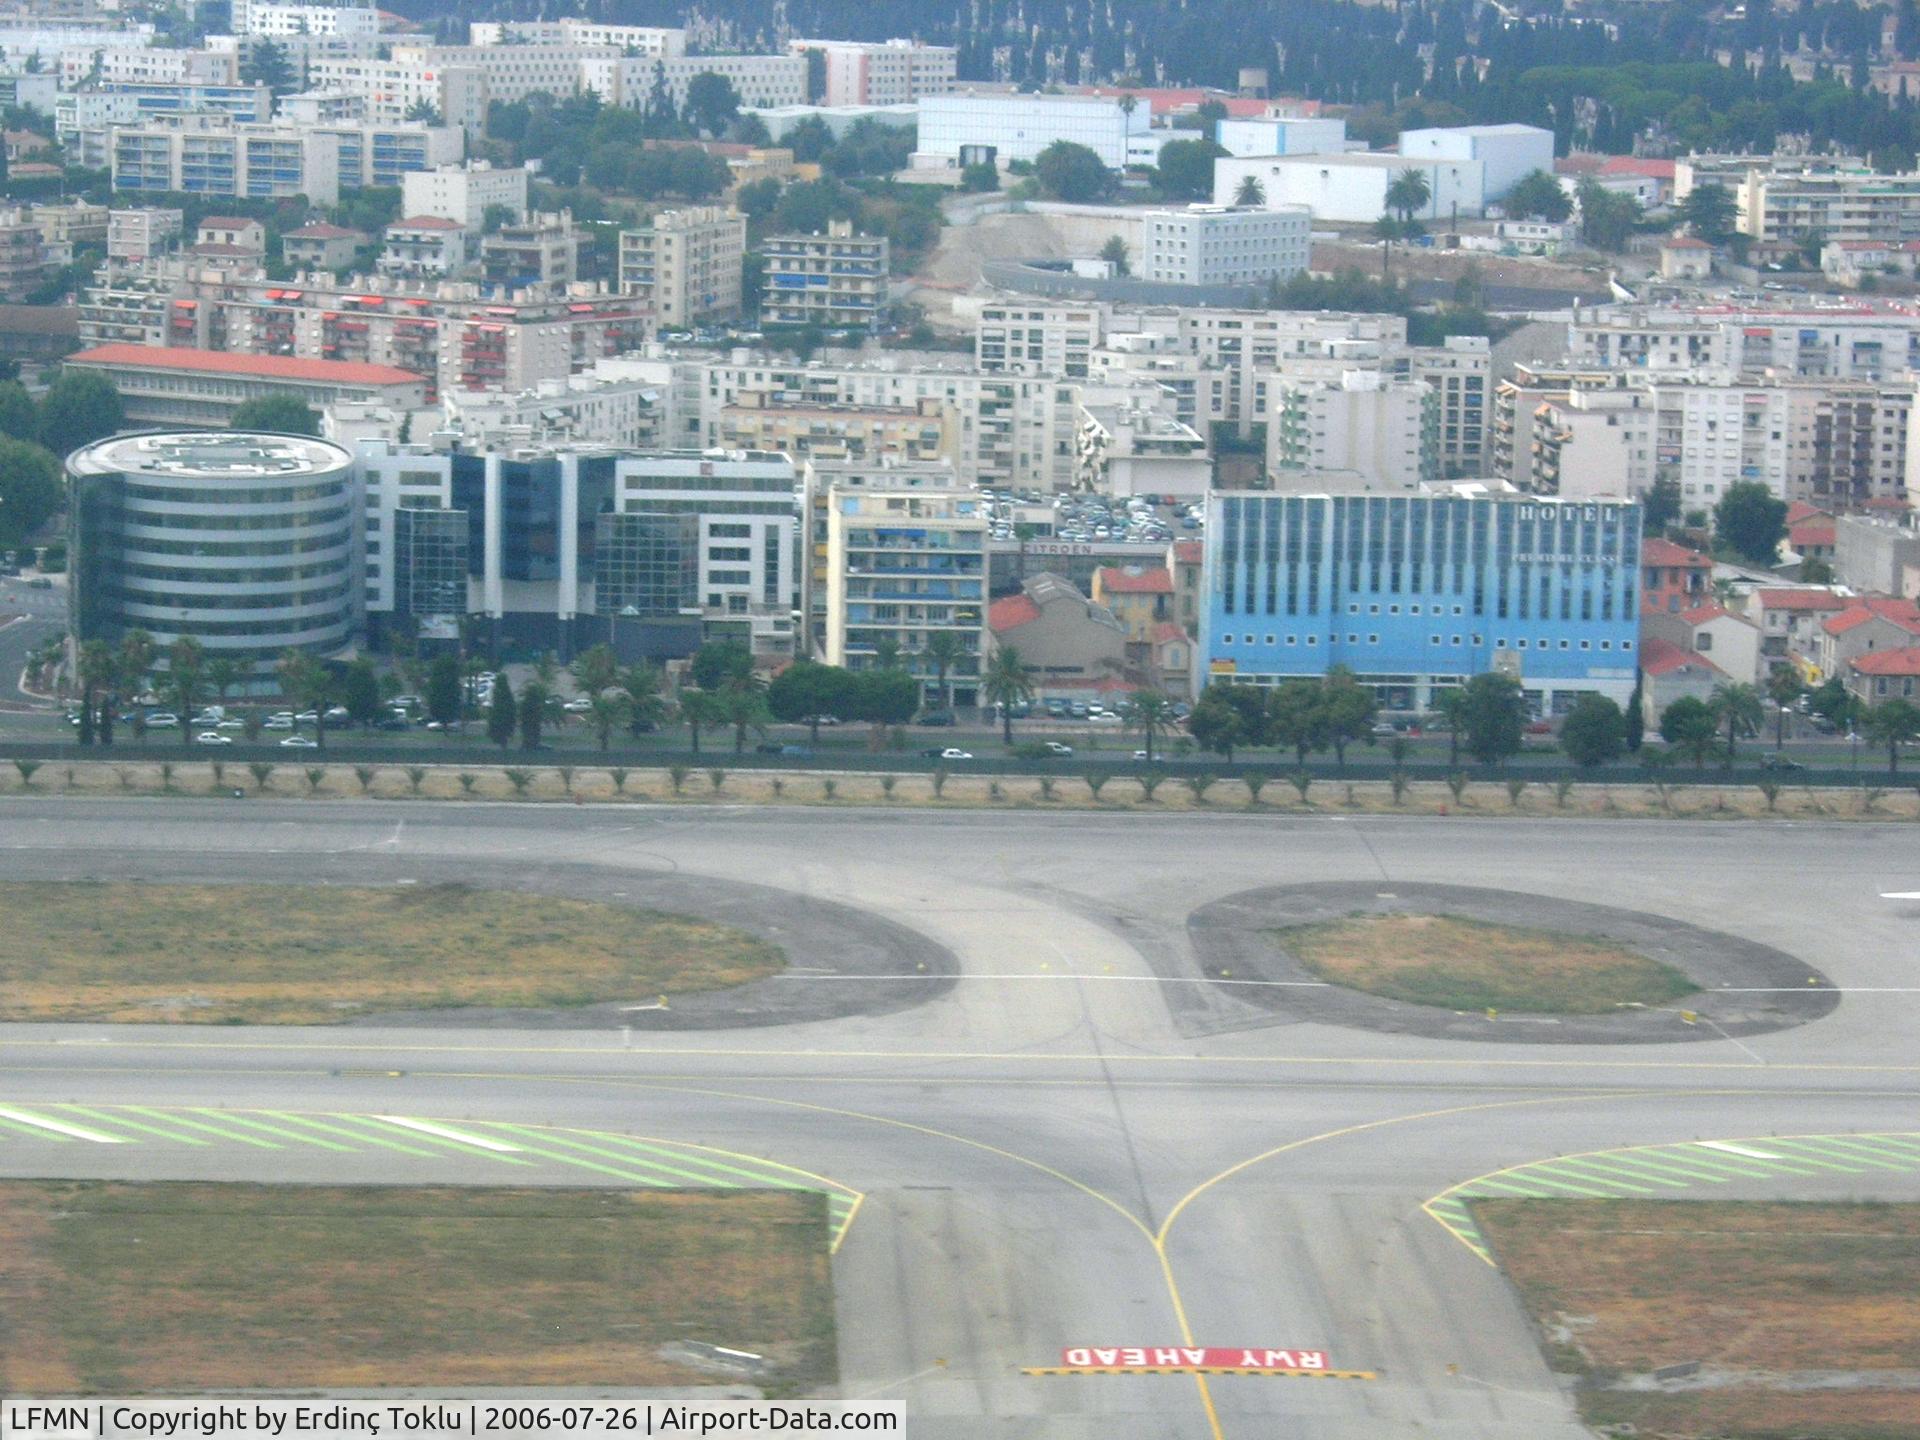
column 212, row 737
column 162, row 720
column 579, row 705
column 952, row 753
column 277, row 722
column 1105, row 717
column 299, row 742
column 1054, row 747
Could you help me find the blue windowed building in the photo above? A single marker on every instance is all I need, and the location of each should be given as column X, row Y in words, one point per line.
column 1416, row 592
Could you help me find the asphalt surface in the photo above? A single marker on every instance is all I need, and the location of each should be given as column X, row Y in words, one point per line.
column 29, row 617
column 1083, row 1140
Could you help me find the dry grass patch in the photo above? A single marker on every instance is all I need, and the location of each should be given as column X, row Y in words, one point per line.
column 289, row 954
column 1625, row 1286
column 137, row 1289
column 1460, row 964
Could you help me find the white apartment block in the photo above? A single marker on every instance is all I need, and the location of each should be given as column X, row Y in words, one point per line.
column 423, row 247
column 227, row 160
column 647, row 40
column 1847, row 442
column 686, row 264
column 1019, row 127
column 1351, row 189
column 464, row 193
column 141, row 234
column 891, row 72
column 1594, row 443
column 836, row 279
column 1839, row 342
column 594, row 410
column 1034, row 338
column 279, row 18
column 1850, row 205
column 1130, row 449
column 761, row 81
column 1708, row 437
column 391, row 89
column 51, row 42
column 150, row 65
column 1249, row 346
column 1460, row 374
column 1219, row 245
column 1381, row 429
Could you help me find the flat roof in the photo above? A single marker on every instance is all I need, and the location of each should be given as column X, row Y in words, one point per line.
column 213, row 454
column 223, row 362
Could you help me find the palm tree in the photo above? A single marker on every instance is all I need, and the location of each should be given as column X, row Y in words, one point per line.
column 98, row 668
column 886, row 653
column 1408, row 193
column 186, row 666
column 135, row 660
column 611, row 710
column 1007, row 683
column 596, row 670
column 699, row 708
column 1251, row 194
column 1737, row 706
column 1149, row 711
column 223, row 673
column 310, row 684
column 1451, row 706
column 1388, row 229
column 1783, row 688
column 1892, row 723
column 743, row 702
column 645, row 695
column 945, row 649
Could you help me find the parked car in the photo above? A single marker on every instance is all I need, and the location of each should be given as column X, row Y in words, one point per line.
column 339, row 715
column 162, row 720
column 212, row 737
column 1779, row 762
column 821, row 720
column 1105, row 717
column 791, row 752
column 277, row 722
column 299, row 742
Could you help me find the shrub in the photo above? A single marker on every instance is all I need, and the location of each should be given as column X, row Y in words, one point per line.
column 69, row 777
column 940, row 777
column 365, row 774
column 316, row 777
column 1869, row 798
column 1031, row 750
column 830, row 787
column 166, row 776
column 26, row 769
column 1457, row 783
column 779, row 785
column 1301, row 781
column 994, row 791
column 1255, row 781
column 1770, row 788
column 1515, row 789
column 1399, row 783
column 1150, row 781
column 716, row 777
column 1097, row 781
column 1199, row 785
column 1562, row 793
column 565, row 772
column 1047, row 783
column 678, row 774
column 125, row 772
column 887, row 782
column 467, row 781
column 519, row 779
column 262, row 772
column 416, row 775
column 219, row 769
column 618, row 774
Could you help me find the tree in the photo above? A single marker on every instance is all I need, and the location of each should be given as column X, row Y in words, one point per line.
column 267, row 65
column 1495, row 715
column 1251, row 194
column 743, row 703
column 607, row 712
column 309, row 684
column 756, row 200
column 282, row 413
column 1607, row 219
column 224, row 674
column 78, row 408
column 646, row 697
column 1636, row 717
column 360, row 692
column 1661, row 506
column 1783, row 688
column 423, row 112
column 1594, row 732
column 444, row 690
column 711, row 102
column 699, row 708
column 982, row 178
column 1736, row 705
column 503, row 713
column 1216, row 723
column 1538, row 196
column 186, row 672
column 534, row 702
column 945, row 649
column 98, row 675
column 1709, row 212
column 31, row 490
column 1071, row 172
column 1408, row 194
column 1150, row 712
column 1114, row 252
column 1892, row 723
column 1690, row 728
column 1450, row 705
column 1750, row 521
column 596, row 669
column 17, row 415
column 713, row 665
column 1184, row 170
column 1007, row 683
column 1295, row 717
column 1348, row 710
column 885, row 697
column 807, row 690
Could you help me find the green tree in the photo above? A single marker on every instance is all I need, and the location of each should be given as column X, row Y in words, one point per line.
column 281, row 413
column 267, row 65
column 596, row 669
column 1495, row 715
column 1594, row 732
column 645, row 689
column 1151, row 713
column 1408, row 194
column 806, row 690
column 1185, row 169
column 534, row 704
column 1891, row 723
column 1450, row 705
column 1349, row 710
column 980, row 179
column 1636, row 717
column 1251, row 194
column 608, row 711
column 714, row 664
column 17, row 415
column 225, row 675
column 1538, row 196
column 1114, row 252
column 360, row 692
column 309, row 684
column 98, row 675
column 1709, row 212
column 1783, row 688
column 1690, row 728
column 444, row 690
column 1296, row 718
column 743, row 705
column 885, row 697
column 1607, row 219
column 31, row 490
column 699, row 709
column 186, row 673
column 1216, row 723
column 712, row 102
column 1660, row 507
column 1007, row 682
column 503, row 713
column 1736, row 705
column 945, row 649
column 1750, row 521
column 1071, row 172
column 78, row 408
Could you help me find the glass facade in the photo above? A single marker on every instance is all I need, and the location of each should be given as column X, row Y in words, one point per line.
column 646, row 564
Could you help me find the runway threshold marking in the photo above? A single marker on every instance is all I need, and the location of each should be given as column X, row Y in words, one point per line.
column 1640, row 1170
column 640, row 1160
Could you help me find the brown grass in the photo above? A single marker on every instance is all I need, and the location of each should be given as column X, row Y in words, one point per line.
column 1625, row 1286
column 288, row 954
column 1460, row 964
column 149, row 1288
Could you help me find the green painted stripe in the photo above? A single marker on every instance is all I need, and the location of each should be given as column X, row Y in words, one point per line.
column 699, row 1177
column 1535, row 1176
column 700, row 1159
column 365, row 1127
column 577, row 1162
column 36, row 1132
column 1720, row 1169
column 346, row 1134
column 1809, row 1155
column 1612, row 1173
column 230, row 1118
column 172, row 1119
column 1886, row 1145
column 1834, row 1147
column 1770, row 1168
column 124, row 1122
column 456, row 1147
column 1636, row 1164
column 1505, row 1185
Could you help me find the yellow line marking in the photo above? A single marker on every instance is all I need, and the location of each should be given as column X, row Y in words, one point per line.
column 1480, row 1249
column 1200, row 1370
column 846, row 1226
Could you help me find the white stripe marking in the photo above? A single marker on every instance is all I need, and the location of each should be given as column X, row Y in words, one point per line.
column 60, row 1127
column 1733, row 1149
column 445, row 1132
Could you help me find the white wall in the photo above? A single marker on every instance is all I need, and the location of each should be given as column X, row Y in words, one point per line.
column 1352, row 190
column 1282, row 137
column 1509, row 152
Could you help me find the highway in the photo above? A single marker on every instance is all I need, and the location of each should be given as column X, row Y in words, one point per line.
column 1081, row 1140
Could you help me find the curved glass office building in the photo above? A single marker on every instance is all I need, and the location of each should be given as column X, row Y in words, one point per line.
column 243, row 541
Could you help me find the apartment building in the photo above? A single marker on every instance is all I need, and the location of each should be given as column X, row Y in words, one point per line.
column 1019, row 127
column 887, row 72
column 865, row 434
column 1128, row 449
column 836, row 279
column 648, row 40
column 278, row 18
column 1222, row 245
column 390, row 91
column 1841, row 341
column 1460, row 374
column 185, row 388
column 685, row 264
column 465, row 193
column 23, row 257
column 1035, row 338
column 1384, row 430
column 204, row 154
column 140, row 234
column 1840, row 205
column 422, row 247
column 543, row 249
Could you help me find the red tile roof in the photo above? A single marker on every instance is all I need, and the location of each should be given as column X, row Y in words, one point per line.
column 1700, row 614
column 1904, row 661
column 222, row 362
column 1637, row 165
column 1166, row 633
column 1800, row 600
column 1817, row 533
column 1800, row 510
column 1116, row 581
column 1011, row 613
column 1189, row 552
column 1663, row 657
column 1665, row 552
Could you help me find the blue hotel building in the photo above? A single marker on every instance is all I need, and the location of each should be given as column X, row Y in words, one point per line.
column 1417, row 592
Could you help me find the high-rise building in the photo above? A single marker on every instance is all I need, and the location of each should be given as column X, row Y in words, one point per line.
column 836, row 279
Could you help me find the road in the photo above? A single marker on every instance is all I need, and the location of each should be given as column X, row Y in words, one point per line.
column 28, row 618
column 1082, row 1142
